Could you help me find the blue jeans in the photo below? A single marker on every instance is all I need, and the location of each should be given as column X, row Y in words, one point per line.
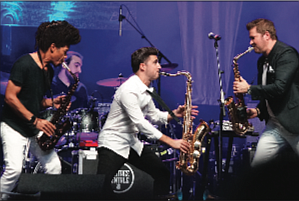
column 273, row 139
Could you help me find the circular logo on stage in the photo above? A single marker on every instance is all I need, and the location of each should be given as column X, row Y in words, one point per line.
column 123, row 180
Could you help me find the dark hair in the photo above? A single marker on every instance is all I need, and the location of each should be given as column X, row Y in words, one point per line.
column 69, row 58
column 263, row 25
column 59, row 32
column 141, row 55
column 70, row 54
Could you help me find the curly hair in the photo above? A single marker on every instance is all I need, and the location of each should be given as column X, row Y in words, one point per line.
column 59, row 32
column 141, row 55
column 263, row 25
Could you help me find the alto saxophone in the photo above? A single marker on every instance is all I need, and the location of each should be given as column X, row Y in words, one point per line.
column 189, row 162
column 62, row 124
column 237, row 111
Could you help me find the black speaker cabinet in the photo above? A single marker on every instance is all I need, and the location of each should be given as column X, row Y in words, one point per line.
column 130, row 183
column 62, row 187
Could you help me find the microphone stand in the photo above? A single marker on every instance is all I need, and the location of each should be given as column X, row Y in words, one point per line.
column 222, row 114
column 160, row 56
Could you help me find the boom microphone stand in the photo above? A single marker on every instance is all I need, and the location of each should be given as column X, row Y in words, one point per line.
column 222, row 109
column 160, row 55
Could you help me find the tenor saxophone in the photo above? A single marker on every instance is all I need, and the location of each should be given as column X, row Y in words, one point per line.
column 189, row 162
column 62, row 124
column 237, row 110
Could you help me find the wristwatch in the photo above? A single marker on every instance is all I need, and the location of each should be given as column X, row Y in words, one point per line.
column 249, row 90
column 32, row 119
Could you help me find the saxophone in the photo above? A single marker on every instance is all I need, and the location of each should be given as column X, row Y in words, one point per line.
column 62, row 124
column 237, row 111
column 189, row 162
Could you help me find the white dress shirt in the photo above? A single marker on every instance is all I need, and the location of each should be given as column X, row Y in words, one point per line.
column 130, row 112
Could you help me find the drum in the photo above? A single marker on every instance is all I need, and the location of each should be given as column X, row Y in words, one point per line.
column 46, row 114
column 103, row 108
column 86, row 119
column 103, row 111
column 87, row 122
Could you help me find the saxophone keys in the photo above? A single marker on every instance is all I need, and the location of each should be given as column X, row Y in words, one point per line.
column 196, row 154
column 197, row 145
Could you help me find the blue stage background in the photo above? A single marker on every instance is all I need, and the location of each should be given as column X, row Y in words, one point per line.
column 178, row 29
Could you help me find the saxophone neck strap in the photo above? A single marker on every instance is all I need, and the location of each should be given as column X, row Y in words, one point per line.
column 155, row 95
column 46, row 76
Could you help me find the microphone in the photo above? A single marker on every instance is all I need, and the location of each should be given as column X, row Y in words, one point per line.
column 120, row 19
column 211, row 35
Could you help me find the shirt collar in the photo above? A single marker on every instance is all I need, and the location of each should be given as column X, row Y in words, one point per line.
column 143, row 87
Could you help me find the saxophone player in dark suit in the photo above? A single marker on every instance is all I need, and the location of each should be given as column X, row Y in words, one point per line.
column 277, row 90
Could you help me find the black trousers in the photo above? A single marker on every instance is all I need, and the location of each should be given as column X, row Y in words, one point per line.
column 149, row 162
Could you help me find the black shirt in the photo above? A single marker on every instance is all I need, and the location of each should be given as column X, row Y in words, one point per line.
column 81, row 95
column 34, row 83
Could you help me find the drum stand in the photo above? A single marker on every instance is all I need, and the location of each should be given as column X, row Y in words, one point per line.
column 173, row 188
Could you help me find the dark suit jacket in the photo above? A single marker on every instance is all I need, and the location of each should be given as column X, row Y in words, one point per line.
column 282, row 88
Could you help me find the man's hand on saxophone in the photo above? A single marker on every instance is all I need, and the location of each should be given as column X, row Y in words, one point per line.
column 240, row 86
column 180, row 144
column 252, row 113
column 44, row 125
column 59, row 100
column 180, row 111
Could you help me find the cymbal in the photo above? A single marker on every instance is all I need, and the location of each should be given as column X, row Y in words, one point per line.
column 168, row 67
column 112, row 82
column 73, row 98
